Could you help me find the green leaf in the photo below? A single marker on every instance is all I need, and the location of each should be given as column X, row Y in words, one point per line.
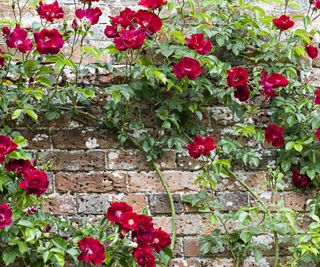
column 116, row 96
column 9, row 255
column 60, row 259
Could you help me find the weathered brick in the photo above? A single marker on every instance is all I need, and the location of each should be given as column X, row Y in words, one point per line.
column 178, row 181
column 189, row 224
column 60, row 204
column 137, row 201
column 75, row 160
column 232, row 200
column 191, row 247
column 134, row 159
column 83, row 139
column 93, row 203
column 96, row 182
column 37, row 139
column 222, row 116
column 159, row 204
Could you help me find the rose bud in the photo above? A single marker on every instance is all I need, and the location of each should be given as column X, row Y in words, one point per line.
column 47, row 228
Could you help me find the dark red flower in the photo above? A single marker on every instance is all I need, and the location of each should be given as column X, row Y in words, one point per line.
column 149, row 22
column 237, row 76
column 5, row 215
column 90, row 15
column 129, row 39
column 161, row 240
column 124, row 20
column 198, row 43
column 275, row 80
column 6, row 31
column 201, row 146
column 18, row 38
column 34, row 182
column 187, row 67
column 242, row 93
column 47, row 228
column 152, row 3
column 74, row 24
column 49, row 12
column 1, row 59
column 144, row 257
column 300, row 180
column 92, row 251
column 317, row 98
column 19, row 166
column 274, row 135
column 32, row 210
column 144, row 235
column 129, row 221
column 48, row 41
column 316, row 4
column 111, row 32
column 6, row 147
column 116, row 210
column 312, row 51
column 318, row 134
column 283, row 22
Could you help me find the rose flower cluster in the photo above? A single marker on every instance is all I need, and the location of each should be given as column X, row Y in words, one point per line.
column 33, row 180
column 139, row 227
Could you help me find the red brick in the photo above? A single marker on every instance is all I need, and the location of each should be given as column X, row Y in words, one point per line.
column 60, row 204
column 96, row 182
column 37, row 139
column 137, row 201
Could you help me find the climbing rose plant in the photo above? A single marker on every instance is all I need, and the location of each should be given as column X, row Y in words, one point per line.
column 172, row 60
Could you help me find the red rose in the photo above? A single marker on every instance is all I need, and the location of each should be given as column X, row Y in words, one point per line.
column 149, row 22
column 18, row 38
column 274, row 135
column 318, row 134
column 74, row 24
column 124, row 19
column 152, row 3
column 47, row 228
column 316, row 4
column 129, row 39
column 1, row 59
column 145, row 233
column 201, row 146
column 129, row 221
column 19, row 166
column 300, row 180
column 6, row 147
column 242, row 93
column 317, row 98
column 6, row 31
column 275, row 80
column 116, row 210
column 187, row 67
column 198, row 43
column 92, row 251
column 283, row 22
column 144, row 257
column 49, row 12
column 48, row 41
column 312, row 51
column 35, row 182
column 5, row 215
column 111, row 32
column 90, row 15
column 32, row 210
column 237, row 76
column 161, row 240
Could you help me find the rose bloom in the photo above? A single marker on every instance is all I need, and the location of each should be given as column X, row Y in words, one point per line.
column 312, row 51
column 317, row 98
column 242, row 93
column 275, row 80
column 129, row 221
column 5, row 215
column 116, row 210
column 316, row 4
column 144, row 256
column 161, row 240
column 92, row 251
column 49, row 41
column 237, row 76
column 145, row 233
column 6, row 31
column 300, row 180
column 274, row 135
column 90, row 15
column 19, row 166
column 35, row 182
column 318, row 134
column 18, row 38
column 149, row 22
column 129, row 39
column 152, row 3
column 187, row 67
column 283, row 22
column 201, row 146
column 6, row 147
column 49, row 12
column 199, row 44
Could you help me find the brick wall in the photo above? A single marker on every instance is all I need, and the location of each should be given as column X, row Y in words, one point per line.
column 91, row 169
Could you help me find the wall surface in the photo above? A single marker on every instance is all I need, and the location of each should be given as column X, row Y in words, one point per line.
column 91, row 169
